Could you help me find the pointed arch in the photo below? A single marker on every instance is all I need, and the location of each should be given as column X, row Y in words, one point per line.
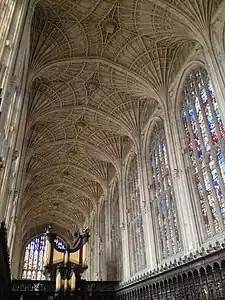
column 164, row 209
column 203, row 133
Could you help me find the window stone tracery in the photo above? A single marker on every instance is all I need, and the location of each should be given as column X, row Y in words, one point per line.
column 33, row 264
column 204, row 131
column 164, row 206
column 134, row 220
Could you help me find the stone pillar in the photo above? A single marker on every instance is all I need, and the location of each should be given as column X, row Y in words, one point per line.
column 11, row 185
column 4, row 185
column 12, row 218
column 8, row 211
column 11, row 165
column 123, row 221
column 96, row 271
column 14, row 87
column 12, row 236
column 102, row 217
column 107, row 237
column 12, row 55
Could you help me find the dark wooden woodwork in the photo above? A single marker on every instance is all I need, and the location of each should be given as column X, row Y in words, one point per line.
column 5, row 277
column 31, row 289
column 198, row 276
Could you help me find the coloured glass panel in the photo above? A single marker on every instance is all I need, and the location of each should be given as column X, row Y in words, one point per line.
column 33, row 265
column 164, row 204
column 204, row 132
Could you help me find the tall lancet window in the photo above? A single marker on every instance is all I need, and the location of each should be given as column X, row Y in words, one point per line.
column 205, row 135
column 116, row 243
column 134, row 220
column 33, row 264
column 164, row 205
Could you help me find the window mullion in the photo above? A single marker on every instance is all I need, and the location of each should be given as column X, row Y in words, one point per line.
column 133, row 245
column 38, row 244
column 140, row 241
column 136, row 246
column 169, row 192
column 210, row 100
column 33, row 263
column 163, row 195
column 157, row 194
column 196, row 157
column 134, row 223
column 206, row 157
column 161, row 231
column 131, row 239
column 153, row 205
column 220, row 138
column 38, row 253
column 206, row 162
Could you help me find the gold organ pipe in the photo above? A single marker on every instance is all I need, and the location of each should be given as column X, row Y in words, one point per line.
column 66, row 257
column 47, row 254
column 58, row 281
column 74, row 257
column 73, row 282
column 57, row 256
column 65, row 285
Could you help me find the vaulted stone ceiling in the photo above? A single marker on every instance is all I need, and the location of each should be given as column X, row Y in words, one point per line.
column 98, row 70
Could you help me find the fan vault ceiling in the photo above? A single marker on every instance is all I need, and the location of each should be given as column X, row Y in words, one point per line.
column 97, row 71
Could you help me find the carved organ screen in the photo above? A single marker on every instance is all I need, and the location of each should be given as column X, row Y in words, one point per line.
column 135, row 223
column 204, row 131
column 164, row 206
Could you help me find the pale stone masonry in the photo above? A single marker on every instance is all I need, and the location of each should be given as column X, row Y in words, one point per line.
column 88, row 86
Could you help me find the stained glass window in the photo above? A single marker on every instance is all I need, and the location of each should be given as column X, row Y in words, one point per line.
column 134, row 220
column 33, row 265
column 205, row 134
column 163, row 195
